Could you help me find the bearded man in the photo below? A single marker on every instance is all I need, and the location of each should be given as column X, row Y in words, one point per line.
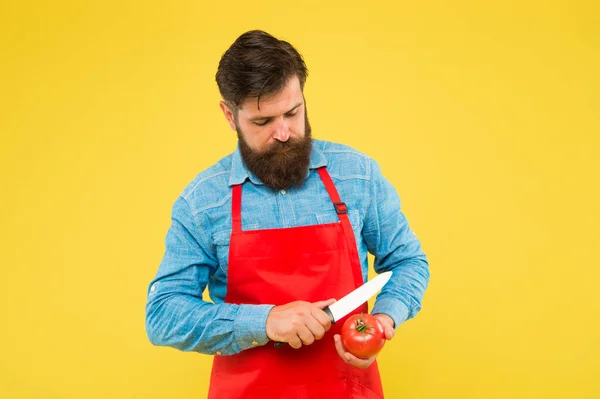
column 278, row 230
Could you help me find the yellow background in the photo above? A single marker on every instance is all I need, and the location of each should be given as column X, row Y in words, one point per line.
column 484, row 115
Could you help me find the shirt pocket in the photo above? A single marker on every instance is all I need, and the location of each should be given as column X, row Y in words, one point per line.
column 221, row 241
column 353, row 216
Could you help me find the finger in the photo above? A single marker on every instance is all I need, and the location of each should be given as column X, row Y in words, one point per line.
column 305, row 335
column 321, row 317
column 388, row 325
column 389, row 332
column 358, row 362
column 295, row 342
column 315, row 327
column 322, row 304
column 339, row 347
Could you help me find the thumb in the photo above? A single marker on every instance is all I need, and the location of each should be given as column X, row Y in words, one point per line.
column 389, row 332
column 322, row 304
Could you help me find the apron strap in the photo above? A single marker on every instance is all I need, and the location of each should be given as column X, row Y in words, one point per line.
column 342, row 212
column 236, row 209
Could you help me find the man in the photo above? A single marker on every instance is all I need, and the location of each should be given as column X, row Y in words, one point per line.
column 296, row 240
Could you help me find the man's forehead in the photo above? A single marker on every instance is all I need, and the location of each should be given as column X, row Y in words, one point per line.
column 267, row 108
column 288, row 97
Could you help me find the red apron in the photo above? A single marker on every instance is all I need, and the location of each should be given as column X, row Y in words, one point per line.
column 277, row 266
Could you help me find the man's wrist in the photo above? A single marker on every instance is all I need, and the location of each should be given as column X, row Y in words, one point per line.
column 392, row 307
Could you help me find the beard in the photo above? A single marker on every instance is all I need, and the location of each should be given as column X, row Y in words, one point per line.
column 277, row 169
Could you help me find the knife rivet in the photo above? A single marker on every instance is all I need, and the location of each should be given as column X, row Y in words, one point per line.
column 254, row 343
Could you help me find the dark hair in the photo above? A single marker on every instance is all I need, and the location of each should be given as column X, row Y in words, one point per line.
column 257, row 64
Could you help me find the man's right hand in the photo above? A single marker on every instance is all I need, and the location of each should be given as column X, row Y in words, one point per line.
column 298, row 323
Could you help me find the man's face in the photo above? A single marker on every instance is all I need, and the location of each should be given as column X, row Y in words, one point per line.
column 275, row 140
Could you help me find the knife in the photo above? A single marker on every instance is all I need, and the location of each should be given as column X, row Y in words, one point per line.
column 354, row 299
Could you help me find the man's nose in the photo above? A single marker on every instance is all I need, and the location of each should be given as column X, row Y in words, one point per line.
column 282, row 131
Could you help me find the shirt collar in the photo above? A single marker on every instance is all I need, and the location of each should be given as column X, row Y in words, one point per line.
column 239, row 172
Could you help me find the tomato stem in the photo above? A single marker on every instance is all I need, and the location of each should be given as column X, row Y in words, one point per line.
column 362, row 328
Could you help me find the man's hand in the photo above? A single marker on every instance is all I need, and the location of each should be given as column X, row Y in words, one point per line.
column 388, row 326
column 298, row 323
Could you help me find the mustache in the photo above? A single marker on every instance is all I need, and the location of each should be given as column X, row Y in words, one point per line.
column 278, row 146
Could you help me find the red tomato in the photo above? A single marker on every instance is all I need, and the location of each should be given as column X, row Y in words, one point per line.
column 363, row 335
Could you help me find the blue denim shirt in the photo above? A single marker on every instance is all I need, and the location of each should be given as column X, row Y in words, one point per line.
column 197, row 247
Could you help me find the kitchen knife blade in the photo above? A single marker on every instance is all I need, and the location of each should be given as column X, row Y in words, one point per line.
column 357, row 297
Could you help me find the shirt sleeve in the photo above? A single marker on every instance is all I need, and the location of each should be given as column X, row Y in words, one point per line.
column 397, row 249
column 176, row 315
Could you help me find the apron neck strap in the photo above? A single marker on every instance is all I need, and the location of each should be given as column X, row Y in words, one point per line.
column 236, row 209
column 331, row 190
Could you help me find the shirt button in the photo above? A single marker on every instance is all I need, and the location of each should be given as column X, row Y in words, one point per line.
column 254, row 343
column 282, row 192
column 218, row 352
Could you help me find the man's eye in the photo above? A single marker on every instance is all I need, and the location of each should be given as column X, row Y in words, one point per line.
column 291, row 114
column 261, row 123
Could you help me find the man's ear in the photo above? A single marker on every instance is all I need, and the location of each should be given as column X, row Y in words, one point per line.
column 228, row 114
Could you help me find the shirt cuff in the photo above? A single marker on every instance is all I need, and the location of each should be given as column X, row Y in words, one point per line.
column 392, row 307
column 250, row 325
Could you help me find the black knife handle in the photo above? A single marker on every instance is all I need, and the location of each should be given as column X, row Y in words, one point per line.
column 326, row 310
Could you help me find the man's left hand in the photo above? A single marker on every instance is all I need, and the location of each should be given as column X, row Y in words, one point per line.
column 388, row 326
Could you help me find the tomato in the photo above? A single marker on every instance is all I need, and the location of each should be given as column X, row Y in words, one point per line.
column 363, row 335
